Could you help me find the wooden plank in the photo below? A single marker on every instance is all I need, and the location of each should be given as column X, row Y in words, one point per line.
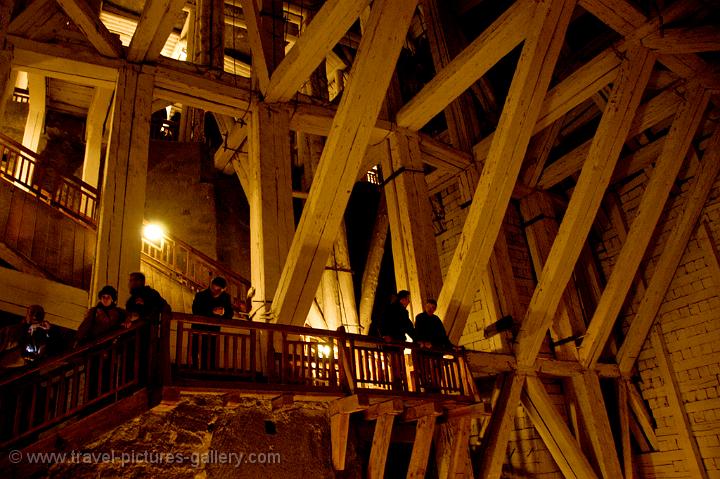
column 36, row 11
column 94, row 30
column 346, row 145
column 585, row 201
column 380, row 446
column 687, row 119
column 470, row 65
column 554, row 432
column 642, row 416
column 421, row 447
column 371, row 271
column 671, row 255
column 521, row 110
column 500, row 425
column 460, row 454
column 415, row 253
column 260, row 43
column 684, row 40
column 686, row 438
column 327, row 27
column 156, row 22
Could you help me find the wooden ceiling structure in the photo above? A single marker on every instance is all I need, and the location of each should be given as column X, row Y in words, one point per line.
column 552, row 128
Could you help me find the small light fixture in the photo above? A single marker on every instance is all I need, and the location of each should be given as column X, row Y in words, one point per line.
column 153, row 232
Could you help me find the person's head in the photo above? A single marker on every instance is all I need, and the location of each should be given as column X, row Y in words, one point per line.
column 107, row 295
column 217, row 286
column 430, row 306
column 35, row 314
column 137, row 280
column 404, row 297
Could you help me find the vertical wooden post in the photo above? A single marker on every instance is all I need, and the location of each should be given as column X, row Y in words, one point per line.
column 380, row 446
column 417, row 264
column 122, row 202
column 94, row 134
column 421, row 447
column 271, row 210
column 6, row 56
column 371, row 273
column 36, row 116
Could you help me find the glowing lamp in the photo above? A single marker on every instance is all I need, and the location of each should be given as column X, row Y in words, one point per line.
column 153, row 232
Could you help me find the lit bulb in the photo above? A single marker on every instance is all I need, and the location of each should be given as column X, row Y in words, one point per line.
column 153, row 232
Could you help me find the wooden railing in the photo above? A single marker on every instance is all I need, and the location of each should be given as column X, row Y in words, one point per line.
column 306, row 359
column 192, row 268
column 73, row 384
column 20, row 166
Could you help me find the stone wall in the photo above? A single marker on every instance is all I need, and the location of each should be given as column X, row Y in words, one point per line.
column 202, row 431
column 176, row 198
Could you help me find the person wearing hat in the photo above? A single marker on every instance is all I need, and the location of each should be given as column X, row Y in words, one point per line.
column 103, row 318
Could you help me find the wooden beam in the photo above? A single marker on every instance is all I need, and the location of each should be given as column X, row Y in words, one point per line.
column 260, row 43
column 460, row 453
column 36, row 10
column 686, row 438
column 585, row 201
column 339, row 412
column 94, row 30
column 327, row 27
column 371, row 272
column 624, row 413
column 501, row 424
column 156, row 22
column 648, row 114
column 122, row 203
column 571, row 92
column 380, row 446
column 424, row 432
column 346, row 145
column 225, row 93
column 596, row 423
column 642, row 416
column 484, row 219
column 686, row 122
column 35, row 122
column 272, row 222
column 470, row 65
column 671, row 255
column 392, row 407
column 684, row 40
column 415, row 256
column 234, row 140
column 554, row 432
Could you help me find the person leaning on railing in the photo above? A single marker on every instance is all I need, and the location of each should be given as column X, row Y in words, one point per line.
column 212, row 302
column 102, row 318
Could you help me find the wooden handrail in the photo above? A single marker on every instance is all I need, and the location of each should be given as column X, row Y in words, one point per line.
column 315, row 359
column 72, row 196
column 75, row 383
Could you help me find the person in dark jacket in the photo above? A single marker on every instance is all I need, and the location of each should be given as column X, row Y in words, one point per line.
column 102, row 318
column 39, row 338
column 144, row 302
column 212, row 302
column 395, row 322
column 429, row 329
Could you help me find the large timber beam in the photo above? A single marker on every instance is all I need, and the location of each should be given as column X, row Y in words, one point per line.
column 521, row 110
column 554, row 432
column 89, row 23
column 687, row 119
column 327, row 27
column 156, row 22
column 470, row 65
column 342, row 158
column 671, row 255
column 585, row 201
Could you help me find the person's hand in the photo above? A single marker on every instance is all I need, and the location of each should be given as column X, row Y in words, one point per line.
column 388, row 339
column 218, row 311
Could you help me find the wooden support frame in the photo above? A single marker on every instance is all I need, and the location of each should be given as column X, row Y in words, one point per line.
column 339, row 412
column 554, row 432
column 675, row 148
column 584, row 203
column 156, row 23
column 327, row 27
column 348, row 140
column 484, row 219
column 89, row 23
column 424, row 432
column 670, row 257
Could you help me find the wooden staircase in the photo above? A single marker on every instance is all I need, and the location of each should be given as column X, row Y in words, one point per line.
column 48, row 228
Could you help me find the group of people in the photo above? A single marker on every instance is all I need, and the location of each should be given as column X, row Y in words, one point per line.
column 35, row 338
column 394, row 323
